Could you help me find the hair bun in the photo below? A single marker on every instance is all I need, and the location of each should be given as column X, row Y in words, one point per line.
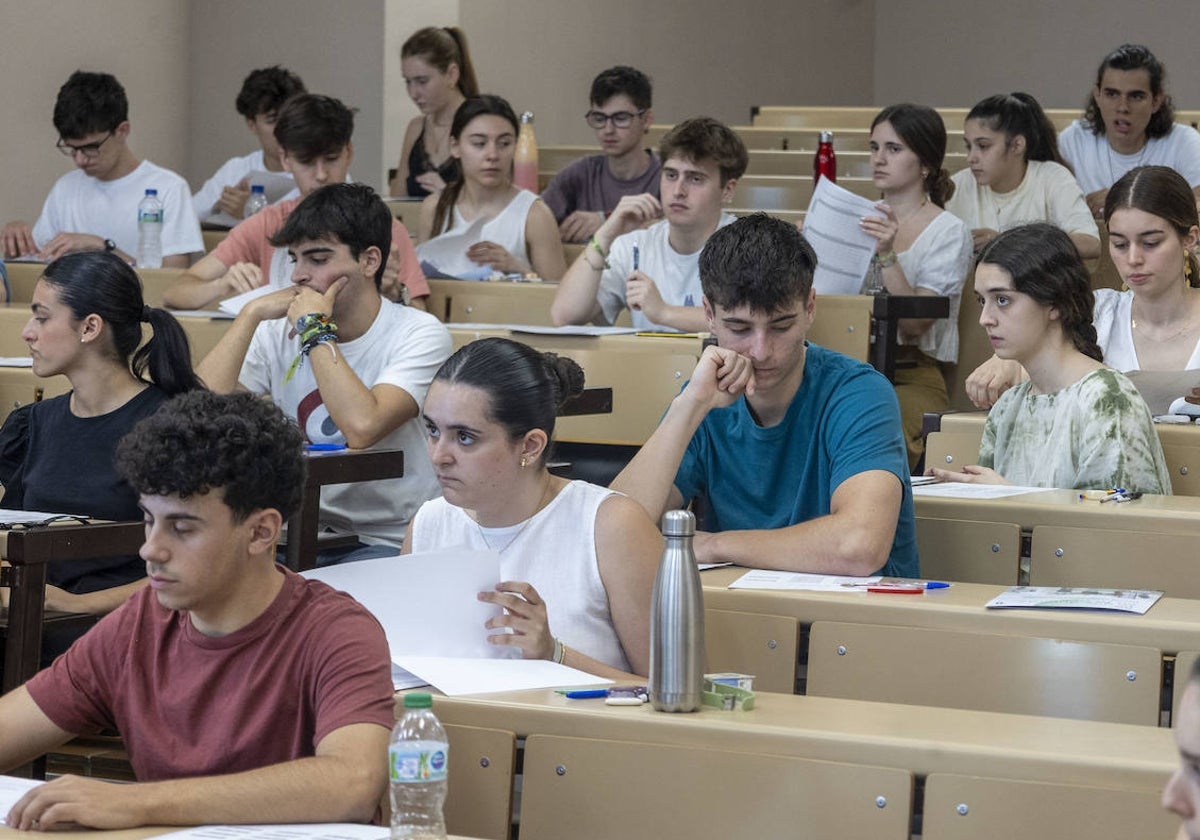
column 941, row 188
column 567, row 375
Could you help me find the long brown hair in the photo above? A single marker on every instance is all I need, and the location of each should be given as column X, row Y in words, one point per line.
column 477, row 106
column 441, row 46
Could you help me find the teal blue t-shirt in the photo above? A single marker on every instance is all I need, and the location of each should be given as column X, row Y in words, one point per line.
column 844, row 420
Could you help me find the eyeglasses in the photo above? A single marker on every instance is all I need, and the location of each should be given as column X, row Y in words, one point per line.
column 90, row 151
column 621, row 119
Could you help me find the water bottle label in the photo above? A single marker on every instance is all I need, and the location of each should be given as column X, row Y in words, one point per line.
column 412, row 763
column 153, row 216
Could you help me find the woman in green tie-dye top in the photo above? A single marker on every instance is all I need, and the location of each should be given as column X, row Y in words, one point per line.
column 1074, row 423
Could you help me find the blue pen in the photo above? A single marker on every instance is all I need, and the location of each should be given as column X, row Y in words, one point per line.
column 584, row 693
column 325, row 447
column 937, row 584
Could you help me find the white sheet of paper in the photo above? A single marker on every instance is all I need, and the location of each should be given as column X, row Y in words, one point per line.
column 962, row 490
column 426, row 602
column 570, row 330
column 771, row 579
column 455, row 676
column 12, row 789
column 448, row 252
column 309, row 831
column 1076, row 598
column 276, row 185
column 843, row 250
column 234, row 305
column 11, row 517
column 16, row 361
column 204, row 313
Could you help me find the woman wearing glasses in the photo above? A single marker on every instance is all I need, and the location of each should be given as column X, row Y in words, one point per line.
column 583, row 194
column 57, row 455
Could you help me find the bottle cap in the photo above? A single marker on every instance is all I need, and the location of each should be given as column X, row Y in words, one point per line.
column 257, row 188
column 527, row 117
column 826, row 136
column 420, row 700
column 678, row 523
column 151, row 192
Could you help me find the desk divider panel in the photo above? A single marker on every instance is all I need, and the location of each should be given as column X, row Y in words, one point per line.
column 1185, row 660
column 969, row 552
column 479, row 798
column 1114, row 559
column 766, row 646
column 581, row 787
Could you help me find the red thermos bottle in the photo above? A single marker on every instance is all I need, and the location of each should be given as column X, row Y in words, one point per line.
column 825, row 161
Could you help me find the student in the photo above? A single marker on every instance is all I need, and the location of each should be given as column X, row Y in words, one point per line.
column 1129, row 121
column 262, row 95
column 920, row 249
column 348, row 365
column 1154, row 324
column 653, row 271
column 94, row 208
column 1182, row 792
column 1016, row 176
column 439, row 78
column 798, row 449
column 577, row 560
column 314, row 134
column 57, row 455
column 244, row 693
column 586, row 191
column 1074, row 423
column 519, row 235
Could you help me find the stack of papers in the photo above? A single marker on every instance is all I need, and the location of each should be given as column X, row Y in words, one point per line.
column 768, row 579
column 1076, row 598
column 963, row 490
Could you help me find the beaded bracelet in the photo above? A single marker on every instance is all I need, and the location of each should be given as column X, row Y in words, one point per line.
column 594, row 243
column 884, row 260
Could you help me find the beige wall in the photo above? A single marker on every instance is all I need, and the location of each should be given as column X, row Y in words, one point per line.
column 42, row 43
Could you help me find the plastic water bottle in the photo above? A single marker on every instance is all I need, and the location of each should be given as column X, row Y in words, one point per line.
column 677, row 620
column 418, row 758
column 525, row 158
column 825, row 161
column 150, row 222
column 256, row 201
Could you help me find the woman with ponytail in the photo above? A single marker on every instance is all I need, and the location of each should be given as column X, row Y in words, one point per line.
column 577, row 561
column 1074, row 423
column 57, row 455
column 920, row 250
column 1015, row 175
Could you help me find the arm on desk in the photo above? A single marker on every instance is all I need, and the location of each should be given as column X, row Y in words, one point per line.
column 221, row 367
column 343, row 782
column 210, row 280
column 95, row 603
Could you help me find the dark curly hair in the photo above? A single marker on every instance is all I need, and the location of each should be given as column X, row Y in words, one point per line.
column 199, row 441
column 758, row 261
column 1134, row 57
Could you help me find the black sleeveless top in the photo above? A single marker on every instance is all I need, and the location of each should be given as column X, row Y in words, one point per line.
column 419, row 163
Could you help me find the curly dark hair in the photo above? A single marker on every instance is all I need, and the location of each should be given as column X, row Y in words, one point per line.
column 199, row 441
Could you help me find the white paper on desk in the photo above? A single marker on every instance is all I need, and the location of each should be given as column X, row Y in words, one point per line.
column 1076, row 598
column 575, row 329
column 483, row 676
column 844, row 251
column 12, row 517
column 16, row 361
column 770, row 579
column 963, row 490
column 426, row 602
column 447, row 254
column 275, row 186
column 233, row 305
column 306, row 831
column 12, row 789
column 204, row 313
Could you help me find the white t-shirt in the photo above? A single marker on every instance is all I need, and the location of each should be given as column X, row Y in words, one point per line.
column 939, row 261
column 1047, row 193
column 230, row 173
column 676, row 275
column 1098, row 167
column 79, row 203
column 403, row 347
column 1113, row 319
column 555, row 551
column 506, row 229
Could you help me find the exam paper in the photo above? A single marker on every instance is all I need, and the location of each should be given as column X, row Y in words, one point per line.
column 16, row 361
column 305, row 831
column 769, row 579
column 455, row 676
column 12, row 517
column 963, row 490
column 575, row 329
column 1076, row 598
column 203, row 313
column 446, row 254
column 12, row 789
column 233, row 305
column 844, row 251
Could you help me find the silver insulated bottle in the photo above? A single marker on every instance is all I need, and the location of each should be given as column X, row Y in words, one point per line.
column 677, row 620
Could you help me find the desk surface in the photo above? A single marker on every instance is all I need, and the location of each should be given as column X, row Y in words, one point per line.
column 1063, row 507
column 918, row 738
column 1171, row 625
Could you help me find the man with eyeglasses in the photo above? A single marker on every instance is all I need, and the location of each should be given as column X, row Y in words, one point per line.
column 585, row 192
column 94, row 207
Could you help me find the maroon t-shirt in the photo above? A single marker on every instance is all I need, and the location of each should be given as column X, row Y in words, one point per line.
column 190, row 705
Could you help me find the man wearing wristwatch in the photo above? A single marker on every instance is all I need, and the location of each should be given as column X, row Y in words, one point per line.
column 348, row 365
column 654, row 272
column 95, row 207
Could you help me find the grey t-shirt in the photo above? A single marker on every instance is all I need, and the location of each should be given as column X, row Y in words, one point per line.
column 586, row 184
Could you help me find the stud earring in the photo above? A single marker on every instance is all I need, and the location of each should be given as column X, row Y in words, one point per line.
column 524, row 462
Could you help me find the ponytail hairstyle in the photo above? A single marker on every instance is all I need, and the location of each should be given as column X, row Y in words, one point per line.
column 1163, row 192
column 526, row 388
column 1044, row 264
column 1015, row 114
column 922, row 130
column 485, row 104
column 101, row 283
column 1134, row 57
column 440, row 47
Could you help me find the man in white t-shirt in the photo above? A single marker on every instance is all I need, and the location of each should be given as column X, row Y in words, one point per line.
column 654, row 272
column 95, row 207
column 222, row 199
column 350, row 366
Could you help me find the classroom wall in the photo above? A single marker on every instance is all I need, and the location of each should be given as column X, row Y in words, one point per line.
column 42, row 43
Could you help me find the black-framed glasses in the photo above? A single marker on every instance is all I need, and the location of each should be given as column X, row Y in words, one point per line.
column 88, row 150
column 621, row 119
column 41, row 523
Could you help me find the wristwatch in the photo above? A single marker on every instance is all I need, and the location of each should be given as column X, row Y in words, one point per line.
column 109, row 245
